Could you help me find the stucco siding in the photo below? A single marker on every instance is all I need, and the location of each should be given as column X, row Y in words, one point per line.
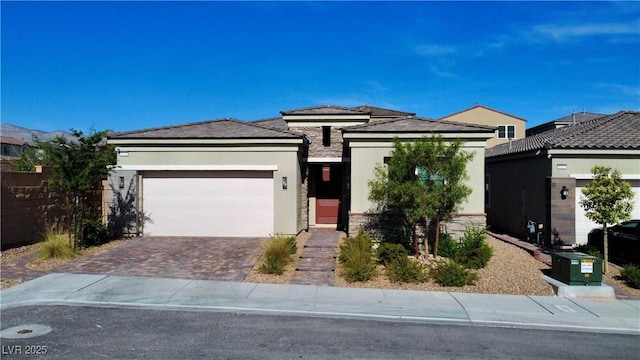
column 484, row 116
column 366, row 155
column 517, row 193
column 567, row 166
column 283, row 158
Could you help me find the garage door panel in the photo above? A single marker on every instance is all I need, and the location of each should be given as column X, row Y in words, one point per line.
column 229, row 203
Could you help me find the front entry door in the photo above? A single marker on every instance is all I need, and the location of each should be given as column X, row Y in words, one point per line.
column 328, row 193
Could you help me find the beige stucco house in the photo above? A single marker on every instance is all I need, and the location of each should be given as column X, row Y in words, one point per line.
column 307, row 167
column 525, row 179
column 508, row 127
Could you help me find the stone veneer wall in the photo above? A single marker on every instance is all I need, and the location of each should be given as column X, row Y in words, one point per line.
column 316, row 149
column 455, row 227
column 561, row 213
column 303, row 206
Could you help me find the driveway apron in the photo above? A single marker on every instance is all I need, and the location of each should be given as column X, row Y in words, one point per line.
column 220, row 258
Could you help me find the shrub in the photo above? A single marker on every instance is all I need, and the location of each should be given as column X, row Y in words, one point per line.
column 95, row 233
column 474, row 252
column 406, row 270
column 277, row 254
column 631, row 275
column 590, row 250
column 447, row 246
column 450, row 273
column 388, row 253
column 356, row 257
column 56, row 244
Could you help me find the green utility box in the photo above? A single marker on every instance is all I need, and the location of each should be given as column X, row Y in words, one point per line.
column 575, row 268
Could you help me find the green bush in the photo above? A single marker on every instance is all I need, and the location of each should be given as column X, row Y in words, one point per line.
column 590, row 250
column 631, row 275
column 450, row 273
column 406, row 270
column 94, row 233
column 277, row 254
column 474, row 252
column 356, row 257
column 388, row 253
column 447, row 246
column 56, row 244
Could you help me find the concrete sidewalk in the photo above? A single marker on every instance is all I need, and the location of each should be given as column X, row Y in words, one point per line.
column 534, row 312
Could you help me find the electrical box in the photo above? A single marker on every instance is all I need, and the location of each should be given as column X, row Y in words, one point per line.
column 575, row 268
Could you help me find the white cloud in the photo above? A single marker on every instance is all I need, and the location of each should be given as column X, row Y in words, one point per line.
column 565, row 32
column 434, row 50
column 621, row 89
column 442, row 73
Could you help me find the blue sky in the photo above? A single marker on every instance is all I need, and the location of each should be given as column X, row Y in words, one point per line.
column 132, row 65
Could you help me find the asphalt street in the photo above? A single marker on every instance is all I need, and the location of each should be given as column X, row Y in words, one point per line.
column 74, row 332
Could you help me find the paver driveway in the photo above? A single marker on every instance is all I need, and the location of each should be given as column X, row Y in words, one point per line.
column 227, row 259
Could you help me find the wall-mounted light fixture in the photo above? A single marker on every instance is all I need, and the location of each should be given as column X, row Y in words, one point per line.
column 121, row 182
column 284, row 183
column 564, row 192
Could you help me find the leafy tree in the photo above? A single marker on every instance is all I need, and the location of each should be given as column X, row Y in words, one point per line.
column 607, row 200
column 424, row 179
column 79, row 166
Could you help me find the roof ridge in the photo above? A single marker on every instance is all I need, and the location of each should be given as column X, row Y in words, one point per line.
column 172, row 126
column 270, row 128
column 484, row 107
column 322, row 107
column 381, row 108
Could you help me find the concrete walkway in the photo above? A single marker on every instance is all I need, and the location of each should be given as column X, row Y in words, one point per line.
column 532, row 312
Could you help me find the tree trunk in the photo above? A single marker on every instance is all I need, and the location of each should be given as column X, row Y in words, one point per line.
column 414, row 237
column 605, row 241
column 436, row 239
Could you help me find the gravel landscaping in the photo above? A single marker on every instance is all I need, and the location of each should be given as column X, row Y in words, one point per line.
column 510, row 271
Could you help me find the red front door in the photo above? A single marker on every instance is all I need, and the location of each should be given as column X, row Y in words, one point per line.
column 328, row 189
column 327, row 211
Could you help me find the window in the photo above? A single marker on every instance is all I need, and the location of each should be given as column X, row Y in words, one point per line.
column 326, row 135
column 425, row 175
column 506, row 131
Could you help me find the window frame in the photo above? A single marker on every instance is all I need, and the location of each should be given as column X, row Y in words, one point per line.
column 506, row 131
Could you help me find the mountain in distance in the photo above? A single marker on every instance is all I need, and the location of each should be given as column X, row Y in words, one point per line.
column 26, row 135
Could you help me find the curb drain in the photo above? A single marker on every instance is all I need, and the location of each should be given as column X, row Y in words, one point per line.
column 25, row 331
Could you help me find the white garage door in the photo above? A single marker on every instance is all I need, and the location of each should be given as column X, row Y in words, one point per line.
column 584, row 225
column 208, row 203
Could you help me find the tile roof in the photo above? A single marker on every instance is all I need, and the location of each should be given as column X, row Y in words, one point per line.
column 324, row 110
column 579, row 117
column 617, row 131
column 213, row 129
column 376, row 111
column 11, row 140
column 412, row 124
column 483, row 107
column 273, row 123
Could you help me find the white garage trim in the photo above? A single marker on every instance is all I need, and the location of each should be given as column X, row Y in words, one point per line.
column 208, row 203
column 199, row 167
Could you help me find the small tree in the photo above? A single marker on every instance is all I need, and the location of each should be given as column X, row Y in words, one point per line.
column 607, row 200
column 423, row 180
column 79, row 166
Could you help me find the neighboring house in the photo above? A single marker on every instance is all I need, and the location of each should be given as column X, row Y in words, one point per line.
column 308, row 167
column 525, row 179
column 572, row 119
column 11, row 147
column 508, row 127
